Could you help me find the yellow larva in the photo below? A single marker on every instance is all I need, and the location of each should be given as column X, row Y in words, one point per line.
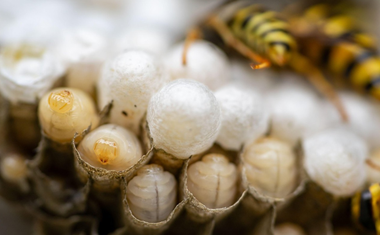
column 288, row 229
column 110, row 147
column 213, row 181
column 270, row 167
column 13, row 168
column 152, row 193
column 61, row 101
column 66, row 111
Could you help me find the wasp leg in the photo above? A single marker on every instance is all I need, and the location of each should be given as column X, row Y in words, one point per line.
column 232, row 41
column 303, row 66
column 263, row 65
column 192, row 35
column 371, row 164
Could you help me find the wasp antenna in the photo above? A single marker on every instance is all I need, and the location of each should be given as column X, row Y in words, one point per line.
column 192, row 35
column 304, row 66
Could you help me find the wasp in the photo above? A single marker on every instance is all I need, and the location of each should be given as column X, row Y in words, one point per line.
column 332, row 40
column 365, row 208
column 264, row 37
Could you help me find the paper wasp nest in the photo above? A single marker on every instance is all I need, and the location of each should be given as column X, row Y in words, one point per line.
column 123, row 135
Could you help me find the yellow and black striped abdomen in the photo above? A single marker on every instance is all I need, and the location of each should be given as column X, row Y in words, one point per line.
column 354, row 64
column 265, row 33
column 334, row 23
column 365, row 208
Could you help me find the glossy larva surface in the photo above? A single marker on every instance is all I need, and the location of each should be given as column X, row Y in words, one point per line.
column 65, row 111
column 270, row 167
column 130, row 79
column 213, row 181
column 110, row 147
column 152, row 193
column 27, row 72
column 335, row 159
column 205, row 63
column 244, row 117
column 184, row 118
column 13, row 168
column 288, row 229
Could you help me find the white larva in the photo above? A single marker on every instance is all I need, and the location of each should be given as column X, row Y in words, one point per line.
column 13, row 168
column 288, row 229
column 83, row 52
column 130, row 80
column 270, row 167
column 110, row 147
column 244, row 117
column 152, row 193
column 205, row 63
column 65, row 111
column 335, row 159
column 295, row 112
column 184, row 118
column 27, row 72
column 213, row 181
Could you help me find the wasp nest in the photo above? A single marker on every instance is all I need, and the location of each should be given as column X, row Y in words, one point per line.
column 112, row 127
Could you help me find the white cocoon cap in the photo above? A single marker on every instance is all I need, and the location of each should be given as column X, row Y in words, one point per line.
column 205, row 63
column 364, row 117
column 184, row 118
column 335, row 159
column 295, row 112
column 83, row 51
column 130, row 80
column 244, row 117
column 27, row 72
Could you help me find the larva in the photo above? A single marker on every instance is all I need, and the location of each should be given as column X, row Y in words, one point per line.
column 110, row 147
column 213, row 181
column 13, row 168
column 152, row 193
column 66, row 111
column 270, row 167
column 288, row 229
